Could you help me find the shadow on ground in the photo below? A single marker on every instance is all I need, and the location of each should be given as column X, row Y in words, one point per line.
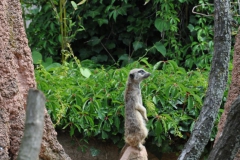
column 97, row 150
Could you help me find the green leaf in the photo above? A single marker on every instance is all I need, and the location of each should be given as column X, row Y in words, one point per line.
column 161, row 48
column 116, row 122
column 124, row 57
column 53, row 66
column 190, row 27
column 104, row 135
column 185, row 117
column 156, row 66
column 72, row 130
column 101, row 115
column 102, row 21
column 183, row 128
column 48, row 62
column 74, row 5
column 37, row 57
column 161, row 25
column 85, row 72
column 144, row 60
column 82, row 2
column 114, row 14
column 192, row 126
column 92, row 14
column 173, row 64
column 106, row 126
column 94, row 41
column 122, row 10
column 197, row 98
column 110, row 45
column 90, row 120
column 182, row 1
column 190, row 102
column 52, row 26
column 154, row 100
column 158, row 129
column 137, row 45
column 146, row 2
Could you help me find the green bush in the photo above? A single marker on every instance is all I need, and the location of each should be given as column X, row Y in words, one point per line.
column 94, row 106
column 119, row 32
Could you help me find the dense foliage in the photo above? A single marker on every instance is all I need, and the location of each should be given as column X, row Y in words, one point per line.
column 109, row 37
column 94, row 106
column 118, row 32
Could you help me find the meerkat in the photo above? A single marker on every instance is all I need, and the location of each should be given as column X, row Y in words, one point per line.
column 135, row 113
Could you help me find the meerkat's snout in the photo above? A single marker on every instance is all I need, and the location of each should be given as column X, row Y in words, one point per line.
column 147, row 75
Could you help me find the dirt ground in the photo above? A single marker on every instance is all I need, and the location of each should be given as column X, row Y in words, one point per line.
column 97, row 150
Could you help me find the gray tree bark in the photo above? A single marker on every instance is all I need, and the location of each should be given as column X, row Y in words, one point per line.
column 228, row 144
column 34, row 123
column 217, row 83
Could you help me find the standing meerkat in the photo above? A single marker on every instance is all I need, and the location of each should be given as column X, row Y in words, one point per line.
column 135, row 112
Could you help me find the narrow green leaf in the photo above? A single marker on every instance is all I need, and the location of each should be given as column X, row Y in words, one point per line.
column 82, row 2
column 144, row 60
column 158, row 129
column 190, row 102
column 146, row 2
column 192, row 126
column 72, row 130
column 156, row 66
column 117, row 122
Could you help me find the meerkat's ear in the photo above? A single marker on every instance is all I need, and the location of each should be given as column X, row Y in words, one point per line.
column 131, row 75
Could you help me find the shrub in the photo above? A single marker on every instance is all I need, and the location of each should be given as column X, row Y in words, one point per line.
column 94, row 106
column 118, row 32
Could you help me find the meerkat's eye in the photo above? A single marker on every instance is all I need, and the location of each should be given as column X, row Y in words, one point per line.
column 141, row 71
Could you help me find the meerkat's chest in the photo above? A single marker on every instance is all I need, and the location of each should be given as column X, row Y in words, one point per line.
column 139, row 97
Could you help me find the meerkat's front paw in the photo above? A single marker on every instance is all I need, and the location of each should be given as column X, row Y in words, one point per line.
column 146, row 119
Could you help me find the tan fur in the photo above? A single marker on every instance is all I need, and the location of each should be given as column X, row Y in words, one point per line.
column 135, row 112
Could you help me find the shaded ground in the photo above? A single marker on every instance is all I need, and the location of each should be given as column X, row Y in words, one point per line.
column 97, row 150
column 94, row 150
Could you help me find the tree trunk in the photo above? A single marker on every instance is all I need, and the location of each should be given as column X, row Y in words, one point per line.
column 234, row 90
column 217, row 83
column 229, row 143
column 34, row 123
column 16, row 77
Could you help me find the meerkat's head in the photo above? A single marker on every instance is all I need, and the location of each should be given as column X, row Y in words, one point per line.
column 137, row 75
